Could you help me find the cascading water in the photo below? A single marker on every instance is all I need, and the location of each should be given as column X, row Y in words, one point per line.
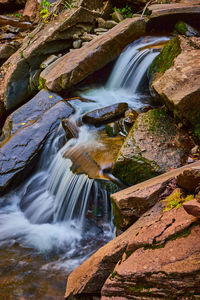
column 57, row 212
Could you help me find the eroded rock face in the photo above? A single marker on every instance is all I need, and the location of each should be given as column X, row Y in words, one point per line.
column 176, row 78
column 189, row 180
column 17, row 154
column 75, row 66
column 154, row 145
column 106, row 114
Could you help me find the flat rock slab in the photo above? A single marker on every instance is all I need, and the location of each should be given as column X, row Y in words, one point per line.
column 106, row 114
column 190, row 7
column 29, row 112
column 17, row 154
column 75, row 66
column 128, row 201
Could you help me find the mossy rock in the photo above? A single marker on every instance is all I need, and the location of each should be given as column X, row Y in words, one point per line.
column 166, row 57
column 153, row 146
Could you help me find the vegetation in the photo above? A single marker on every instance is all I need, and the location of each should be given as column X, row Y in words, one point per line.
column 126, row 11
column 175, row 200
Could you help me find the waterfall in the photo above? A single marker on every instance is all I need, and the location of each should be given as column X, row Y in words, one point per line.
column 56, row 209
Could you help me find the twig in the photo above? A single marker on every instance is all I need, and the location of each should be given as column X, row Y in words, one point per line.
column 145, row 8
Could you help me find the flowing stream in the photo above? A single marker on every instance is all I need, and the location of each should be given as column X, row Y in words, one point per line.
column 57, row 218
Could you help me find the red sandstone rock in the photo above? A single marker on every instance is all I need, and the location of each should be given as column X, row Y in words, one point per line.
column 192, row 208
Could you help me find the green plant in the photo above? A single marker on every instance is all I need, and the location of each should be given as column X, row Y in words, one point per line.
column 126, row 11
column 175, row 200
column 18, row 15
column 68, row 3
column 45, row 9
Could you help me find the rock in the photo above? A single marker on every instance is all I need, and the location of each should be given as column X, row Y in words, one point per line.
column 160, row 262
column 176, row 79
column 106, row 114
column 185, row 29
column 8, row 49
column 189, row 180
column 48, row 61
column 93, row 56
column 32, row 11
column 70, row 128
column 154, row 145
column 19, row 153
column 152, row 231
column 96, row 30
column 110, row 24
column 46, row 39
column 87, row 37
column 28, row 113
column 195, row 149
column 92, row 159
column 192, row 208
column 13, row 21
column 112, row 129
column 77, row 44
column 117, row 17
column 130, row 204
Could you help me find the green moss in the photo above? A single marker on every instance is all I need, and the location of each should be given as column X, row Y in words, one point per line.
column 136, row 170
column 166, row 58
column 156, row 117
column 175, row 200
column 181, row 27
column 41, row 84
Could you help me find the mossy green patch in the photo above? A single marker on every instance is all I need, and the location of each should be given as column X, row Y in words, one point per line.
column 175, row 200
column 41, row 84
column 181, row 27
column 166, row 58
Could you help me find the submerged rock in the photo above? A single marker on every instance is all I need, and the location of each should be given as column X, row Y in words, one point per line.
column 176, row 76
column 18, row 154
column 106, row 114
column 154, row 145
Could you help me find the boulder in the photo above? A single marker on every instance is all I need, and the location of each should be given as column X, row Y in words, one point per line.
column 153, row 146
column 176, row 75
column 106, row 114
column 189, row 180
column 162, row 261
column 28, row 113
column 154, row 231
column 32, row 11
column 75, row 66
column 192, row 208
column 19, row 70
column 18, row 154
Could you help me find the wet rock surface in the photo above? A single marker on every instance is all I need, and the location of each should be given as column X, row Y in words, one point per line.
column 106, row 114
column 154, row 145
column 17, row 154
column 29, row 112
